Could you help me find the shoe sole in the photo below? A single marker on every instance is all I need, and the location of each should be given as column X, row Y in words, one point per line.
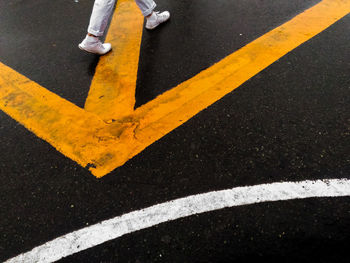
column 81, row 48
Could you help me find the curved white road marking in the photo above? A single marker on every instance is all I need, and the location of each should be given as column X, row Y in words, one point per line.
column 116, row 227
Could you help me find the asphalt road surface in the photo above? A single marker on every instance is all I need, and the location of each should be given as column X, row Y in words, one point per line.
column 288, row 123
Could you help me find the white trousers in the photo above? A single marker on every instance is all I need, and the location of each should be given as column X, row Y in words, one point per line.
column 103, row 9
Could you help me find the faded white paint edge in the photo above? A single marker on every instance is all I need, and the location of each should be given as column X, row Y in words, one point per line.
column 116, row 227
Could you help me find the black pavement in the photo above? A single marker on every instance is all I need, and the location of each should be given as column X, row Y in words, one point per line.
column 290, row 122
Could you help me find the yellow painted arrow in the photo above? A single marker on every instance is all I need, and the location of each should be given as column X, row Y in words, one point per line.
column 108, row 132
column 112, row 91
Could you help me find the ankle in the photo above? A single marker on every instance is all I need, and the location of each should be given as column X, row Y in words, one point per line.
column 151, row 16
column 91, row 35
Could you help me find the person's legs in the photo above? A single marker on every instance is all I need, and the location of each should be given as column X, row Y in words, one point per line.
column 100, row 15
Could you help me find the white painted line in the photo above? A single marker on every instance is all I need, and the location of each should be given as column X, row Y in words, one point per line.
column 116, row 227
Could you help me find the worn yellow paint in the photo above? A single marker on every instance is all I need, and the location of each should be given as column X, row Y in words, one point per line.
column 87, row 137
column 112, row 91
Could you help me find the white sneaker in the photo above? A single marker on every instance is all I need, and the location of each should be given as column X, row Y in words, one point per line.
column 156, row 19
column 94, row 45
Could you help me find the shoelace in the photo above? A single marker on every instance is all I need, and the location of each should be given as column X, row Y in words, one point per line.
column 100, row 45
column 160, row 15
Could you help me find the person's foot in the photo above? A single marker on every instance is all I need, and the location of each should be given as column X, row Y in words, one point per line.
column 156, row 19
column 94, row 45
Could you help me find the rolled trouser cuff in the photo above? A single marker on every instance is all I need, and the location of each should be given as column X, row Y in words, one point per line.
column 149, row 10
column 94, row 32
column 146, row 6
